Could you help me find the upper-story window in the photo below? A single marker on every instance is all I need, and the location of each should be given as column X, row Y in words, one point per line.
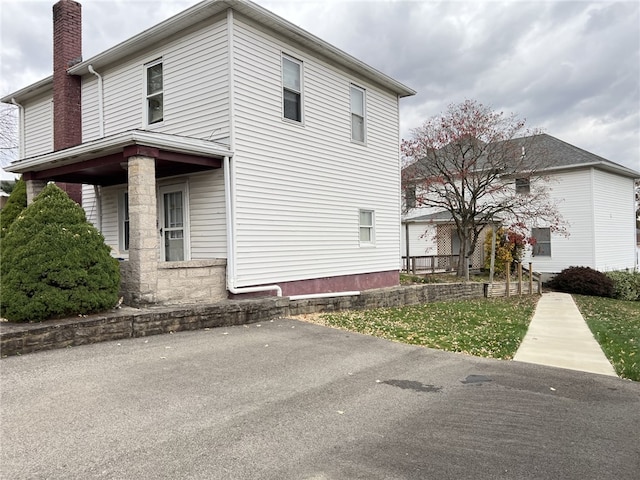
column 410, row 196
column 292, row 88
column 523, row 185
column 357, row 114
column 155, row 100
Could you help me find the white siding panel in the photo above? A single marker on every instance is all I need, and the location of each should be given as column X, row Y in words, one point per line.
column 38, row 126
column 110, row 217
column 90, row 204
column 574, row 192
column 90, row 117
column 195, row 88
column 207, row 216
column 614, row 215
column 300, row 187
column 422, row 239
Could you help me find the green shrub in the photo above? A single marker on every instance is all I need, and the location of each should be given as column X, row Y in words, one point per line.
column 16, row 203
column 583, row 281
column 626, row 285
column 55, row 263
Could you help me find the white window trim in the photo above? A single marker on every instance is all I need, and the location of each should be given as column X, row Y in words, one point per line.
column 364, row 114
column 145, row 99
column 121, row 219
column 184, row 188
column 284, row 56
column 372, row 227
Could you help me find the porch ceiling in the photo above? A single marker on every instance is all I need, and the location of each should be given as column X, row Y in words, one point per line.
column 112, row 169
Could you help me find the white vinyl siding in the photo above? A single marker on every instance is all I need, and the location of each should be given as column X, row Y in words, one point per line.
column 614, row 216
column 299, row 189
column 38, row 126
column 573, row 191
column 422, row 239
column 207, row 216
column 195, row 88
column 90, row 204
column 110, row 229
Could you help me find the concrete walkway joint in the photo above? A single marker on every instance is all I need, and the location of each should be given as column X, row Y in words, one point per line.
column 558, row 336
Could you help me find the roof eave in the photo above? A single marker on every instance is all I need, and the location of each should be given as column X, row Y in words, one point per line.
column 32, row 90
column 113, row 143
column 602, row 165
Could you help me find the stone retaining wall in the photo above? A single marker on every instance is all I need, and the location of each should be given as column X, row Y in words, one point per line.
column 21, row 338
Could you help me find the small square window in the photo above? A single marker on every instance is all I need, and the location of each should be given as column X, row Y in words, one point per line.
column 523, row 185
column 155, row 97
column 292, row 89
column 367, row 226
column 542, row 245
column 357, row 114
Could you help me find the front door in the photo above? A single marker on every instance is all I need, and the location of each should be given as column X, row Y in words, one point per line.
column 173, row 223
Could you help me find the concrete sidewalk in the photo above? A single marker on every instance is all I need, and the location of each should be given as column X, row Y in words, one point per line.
column 558, row 336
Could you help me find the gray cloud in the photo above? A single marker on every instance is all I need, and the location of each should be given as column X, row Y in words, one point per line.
column 570, row 67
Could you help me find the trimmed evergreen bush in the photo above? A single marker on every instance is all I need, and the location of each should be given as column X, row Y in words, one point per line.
column 16, row 203
column 626, row 285
column 583, row 281
column 55, row 263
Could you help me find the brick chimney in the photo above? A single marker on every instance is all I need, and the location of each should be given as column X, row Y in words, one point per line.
column 67, row 51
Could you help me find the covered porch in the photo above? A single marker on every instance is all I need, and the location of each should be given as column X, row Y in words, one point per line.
column 158, row 268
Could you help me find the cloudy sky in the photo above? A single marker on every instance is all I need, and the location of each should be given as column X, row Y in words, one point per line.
column 571, row 68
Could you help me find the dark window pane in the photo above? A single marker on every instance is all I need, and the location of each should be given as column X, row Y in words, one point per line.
column 292, row 109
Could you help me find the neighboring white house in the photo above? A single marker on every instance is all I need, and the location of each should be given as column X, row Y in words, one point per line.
column 222, row 151
column 594, row 196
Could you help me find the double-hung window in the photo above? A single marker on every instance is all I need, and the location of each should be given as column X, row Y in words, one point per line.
column 542, row 246
column 357, row 114
column 154, row 92
column 523, row 186
column 292, row 89
column 367, row 231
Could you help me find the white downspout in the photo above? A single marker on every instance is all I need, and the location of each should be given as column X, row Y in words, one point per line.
column 100, row 101
column 21, row 152
column 229, row 182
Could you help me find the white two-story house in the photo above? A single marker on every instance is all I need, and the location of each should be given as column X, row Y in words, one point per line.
column 224, row 151
column 594, row 197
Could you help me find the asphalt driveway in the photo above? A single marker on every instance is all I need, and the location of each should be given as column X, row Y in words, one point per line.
column 291, row 400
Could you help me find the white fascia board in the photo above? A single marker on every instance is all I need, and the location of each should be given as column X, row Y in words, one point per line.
column 41, row 86
column 606, row 166
column 114, row 143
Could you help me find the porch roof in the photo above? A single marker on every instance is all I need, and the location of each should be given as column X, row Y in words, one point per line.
column 103, row 161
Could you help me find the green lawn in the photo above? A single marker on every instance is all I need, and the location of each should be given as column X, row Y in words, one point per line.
column 616, row 326
column 484, row 327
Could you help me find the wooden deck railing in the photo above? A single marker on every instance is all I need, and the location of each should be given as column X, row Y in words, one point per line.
column 430, row 263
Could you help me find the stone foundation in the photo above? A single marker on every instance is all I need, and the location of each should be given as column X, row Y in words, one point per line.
column 181, row 283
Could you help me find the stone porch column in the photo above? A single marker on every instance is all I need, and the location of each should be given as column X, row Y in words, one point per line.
column 34, row 187
column 143, row 231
